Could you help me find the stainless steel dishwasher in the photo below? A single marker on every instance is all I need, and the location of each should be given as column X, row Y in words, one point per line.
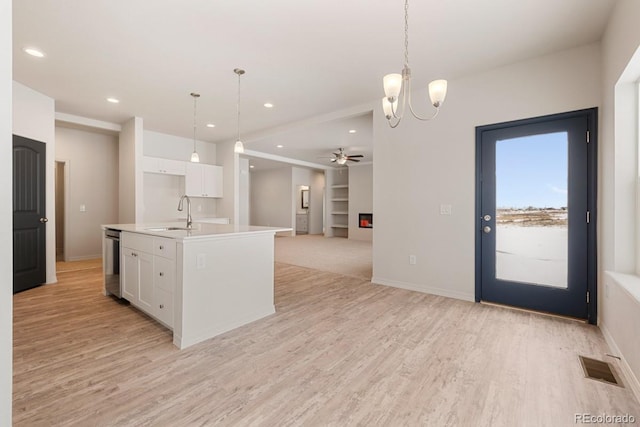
column 112, row 262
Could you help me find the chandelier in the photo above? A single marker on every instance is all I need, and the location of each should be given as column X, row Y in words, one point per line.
column 396, row 83
column 239, row 146
column 195, row 158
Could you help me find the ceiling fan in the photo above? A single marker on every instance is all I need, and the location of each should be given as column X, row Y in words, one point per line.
column 342, row 158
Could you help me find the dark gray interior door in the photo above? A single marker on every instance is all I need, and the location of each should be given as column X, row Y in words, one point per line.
column 29, row 219
column 536, row 214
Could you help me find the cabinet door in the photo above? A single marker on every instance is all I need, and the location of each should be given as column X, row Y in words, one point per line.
column 164, row 307
column 193, row 180
column 129, row 274
column 173, row 167
column 212, row 181
column 164, row 273
column 145, row 283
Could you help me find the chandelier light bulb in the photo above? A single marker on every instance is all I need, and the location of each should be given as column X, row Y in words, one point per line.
column 437, row 92
column 392, row 85
column 388, row 108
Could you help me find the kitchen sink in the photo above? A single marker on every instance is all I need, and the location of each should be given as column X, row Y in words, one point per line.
column 166, row 228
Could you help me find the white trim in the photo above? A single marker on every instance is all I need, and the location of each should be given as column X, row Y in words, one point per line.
column 283, row 159
column 633, row 382
column 424, row 289
column 84, row 122
column 83, row 257
column 351, row 165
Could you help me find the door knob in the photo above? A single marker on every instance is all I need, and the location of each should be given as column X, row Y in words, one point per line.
column 486, row 229
column 43, row 220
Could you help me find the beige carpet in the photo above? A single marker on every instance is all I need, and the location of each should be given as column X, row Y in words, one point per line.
column 332, row 254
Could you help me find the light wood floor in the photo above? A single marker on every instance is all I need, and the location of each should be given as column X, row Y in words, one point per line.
column 339, row 351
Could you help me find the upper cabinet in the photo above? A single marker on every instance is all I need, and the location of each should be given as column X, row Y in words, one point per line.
column 166, row 166
column 203, row 180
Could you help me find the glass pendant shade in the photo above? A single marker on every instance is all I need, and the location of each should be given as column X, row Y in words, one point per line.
column 342, row 160
column 392, row 85
column 437, row 92
column 239, row 147
column 195, row 158
column 388, row 108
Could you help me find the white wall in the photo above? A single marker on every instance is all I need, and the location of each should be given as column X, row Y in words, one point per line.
column 360, row 200
column 34, row 117
column 130, row 184
column 271, row 197
column 91, row 164
column 244, row 192
column 426, row 164
column 619, row 312
column 6, row 216
column 176, row 147
column 229, row 205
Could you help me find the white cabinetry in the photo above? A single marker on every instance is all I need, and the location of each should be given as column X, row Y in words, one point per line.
column 149, row 274
column 165, row 166
column 203, row 180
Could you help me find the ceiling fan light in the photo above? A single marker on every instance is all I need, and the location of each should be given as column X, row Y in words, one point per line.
column 341, row 160
column 195, row 158
column 392, row 85
column 437, row 92
column 238, row 147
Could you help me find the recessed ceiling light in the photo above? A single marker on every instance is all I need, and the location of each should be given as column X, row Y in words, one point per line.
column 352, row 131
column 268, row 105
column 251, row 166
column 113, row 100
column 279, row 146
column 34, row 52
column 210, row 125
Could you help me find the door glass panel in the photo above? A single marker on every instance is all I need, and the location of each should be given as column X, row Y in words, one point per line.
column 531, row 209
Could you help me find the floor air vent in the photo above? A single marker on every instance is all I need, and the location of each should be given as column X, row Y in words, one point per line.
column 600, row 371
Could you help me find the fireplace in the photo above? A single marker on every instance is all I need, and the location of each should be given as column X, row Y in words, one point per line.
column 365, row 220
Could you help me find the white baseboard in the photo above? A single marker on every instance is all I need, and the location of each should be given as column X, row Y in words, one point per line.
column 632, row 380
column 82, row 257
column 183, row 342
column 424, row 289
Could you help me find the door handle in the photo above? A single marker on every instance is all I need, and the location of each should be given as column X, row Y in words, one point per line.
column 486, row 229
column 43, row 220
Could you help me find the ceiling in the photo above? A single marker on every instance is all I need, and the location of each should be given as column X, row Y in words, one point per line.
column 308, row 58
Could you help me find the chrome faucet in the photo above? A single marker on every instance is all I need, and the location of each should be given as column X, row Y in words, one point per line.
column 189, row 222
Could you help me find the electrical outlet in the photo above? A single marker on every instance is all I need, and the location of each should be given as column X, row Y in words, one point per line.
column 412, row 259
column 83, row 208
column 201, row 261
column 445, row 209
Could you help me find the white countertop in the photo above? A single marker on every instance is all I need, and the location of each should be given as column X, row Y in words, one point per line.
column 200, row 230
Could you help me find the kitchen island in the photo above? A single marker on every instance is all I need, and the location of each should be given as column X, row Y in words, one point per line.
column 198, row 282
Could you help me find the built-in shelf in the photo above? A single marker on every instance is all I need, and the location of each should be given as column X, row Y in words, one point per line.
column 339, row 226
column 339, row 213
column 339, row 200
column 340, row 186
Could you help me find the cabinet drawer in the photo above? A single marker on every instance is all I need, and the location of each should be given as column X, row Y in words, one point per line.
column 164, row 247
column 138, row 242
column 164, row 273
column 164, row 307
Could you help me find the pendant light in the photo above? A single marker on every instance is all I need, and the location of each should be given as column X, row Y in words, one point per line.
column 239, row 146
column 395, row 83
column 195, row 158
